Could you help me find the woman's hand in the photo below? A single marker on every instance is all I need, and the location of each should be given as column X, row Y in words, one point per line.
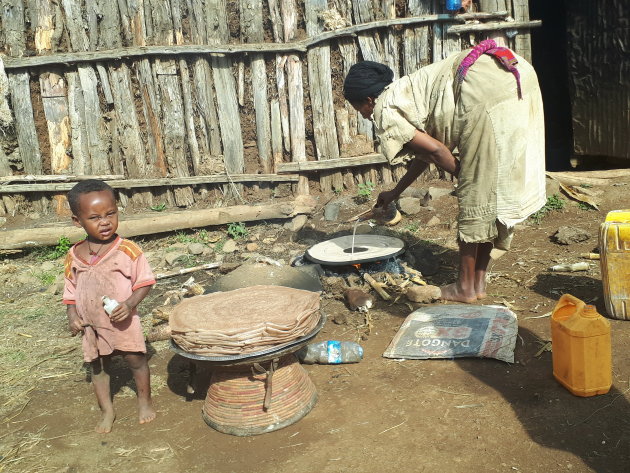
column 121, row 312
column 385, row 198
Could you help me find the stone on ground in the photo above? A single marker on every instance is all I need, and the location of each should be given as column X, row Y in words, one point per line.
column 433, row 222
column 410, row 205
column 569, row 235
column 331, row 211
column 296, row 223
column 423, row 294
column 173, row 257
column 229, row 246
column 196, row 248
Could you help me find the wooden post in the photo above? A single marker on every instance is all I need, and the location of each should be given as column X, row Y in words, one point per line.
column 416, row 52
column 42, row 23
column 320, row 87
column 448, row 43
column 372, row 50
column 93, row 123
column 523, row 40
column 19, row 87
column 191, row 135
column 54, row 99
column 5, row 169
column 13, row 26
column 370, row 42
column 492, row 6
column 348, row 50
column 171, row 102
column 391, row 54
column 78, row 133
column 227, row 105
column 276, row 133
column 296, row 93
column 391, row 50
column 203, row 87
column 55, row 102
column 128, row 130
column 252, row 31
column 278, row 37
column 345, row 142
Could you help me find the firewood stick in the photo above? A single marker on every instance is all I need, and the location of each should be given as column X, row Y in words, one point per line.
column 170, row 274
column 377, row 287
column 590, row 255
column 358, row 216
column 411, row 271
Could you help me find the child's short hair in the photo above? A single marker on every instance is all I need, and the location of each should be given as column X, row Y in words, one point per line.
column 83, row 187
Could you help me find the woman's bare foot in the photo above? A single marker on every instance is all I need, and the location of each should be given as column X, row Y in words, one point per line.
column 146, row 413
column 480, row 288
column 106, row 422
column 453, row 292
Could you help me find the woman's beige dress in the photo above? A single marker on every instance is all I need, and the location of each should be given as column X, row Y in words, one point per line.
column 500, row 138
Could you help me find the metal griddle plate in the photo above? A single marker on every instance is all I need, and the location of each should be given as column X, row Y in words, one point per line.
column 258, row 356
column 368, row 248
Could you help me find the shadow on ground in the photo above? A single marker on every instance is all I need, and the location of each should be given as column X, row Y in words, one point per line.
column 595, row 429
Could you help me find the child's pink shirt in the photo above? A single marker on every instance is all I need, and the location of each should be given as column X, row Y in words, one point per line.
column 116, row 274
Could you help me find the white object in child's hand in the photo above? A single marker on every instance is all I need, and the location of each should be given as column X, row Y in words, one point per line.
column 109, row 304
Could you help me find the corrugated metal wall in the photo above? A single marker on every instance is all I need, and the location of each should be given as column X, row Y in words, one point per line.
column 599, row 75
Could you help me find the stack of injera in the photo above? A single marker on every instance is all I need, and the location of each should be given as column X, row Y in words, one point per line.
column 244, row 320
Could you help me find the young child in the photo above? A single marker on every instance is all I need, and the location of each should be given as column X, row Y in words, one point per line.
column 105, row 264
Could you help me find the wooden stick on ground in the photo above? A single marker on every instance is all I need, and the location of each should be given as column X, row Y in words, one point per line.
column 377, row 287
column 171, row 274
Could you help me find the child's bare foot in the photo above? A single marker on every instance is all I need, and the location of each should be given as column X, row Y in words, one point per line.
column 453, row 292
column 146, row 413
column 106, row 422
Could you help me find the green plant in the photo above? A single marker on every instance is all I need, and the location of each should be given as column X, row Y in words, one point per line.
column 237, row 230
column 412, row 227
column 554, row 203
column 338, row 190
column 218, row 247
column 585, row 206
column 46, row 278
column 52, row 253
column 364, row 190
column 200, row 236
column 159, row 207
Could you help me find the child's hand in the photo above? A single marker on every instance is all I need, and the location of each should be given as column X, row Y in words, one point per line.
column 121, row 312
column 74, row 325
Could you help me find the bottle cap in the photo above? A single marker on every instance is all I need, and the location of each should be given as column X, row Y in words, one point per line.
column 589, row 311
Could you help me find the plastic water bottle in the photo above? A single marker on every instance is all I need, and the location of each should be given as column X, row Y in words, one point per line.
column 453, row 5
column 331, row 352
column 109, row 304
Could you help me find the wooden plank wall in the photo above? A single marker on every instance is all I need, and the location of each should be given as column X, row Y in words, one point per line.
column 199, row 115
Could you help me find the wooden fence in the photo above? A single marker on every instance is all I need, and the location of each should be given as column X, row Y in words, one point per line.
column 177, row 101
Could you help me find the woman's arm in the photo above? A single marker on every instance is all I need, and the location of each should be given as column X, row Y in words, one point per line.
column 427, row 150
column 416, row 168
column 433, row 151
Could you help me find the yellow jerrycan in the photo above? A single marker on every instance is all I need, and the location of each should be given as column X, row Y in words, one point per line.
column 580, row 347
column 614, row 249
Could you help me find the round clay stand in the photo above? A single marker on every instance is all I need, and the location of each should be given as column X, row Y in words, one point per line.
column 259, row 392
column 367, row 248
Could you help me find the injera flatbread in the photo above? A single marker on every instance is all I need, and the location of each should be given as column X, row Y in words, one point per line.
column 243, row 320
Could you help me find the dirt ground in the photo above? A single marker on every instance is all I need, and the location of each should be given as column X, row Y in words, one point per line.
column 476, row 415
